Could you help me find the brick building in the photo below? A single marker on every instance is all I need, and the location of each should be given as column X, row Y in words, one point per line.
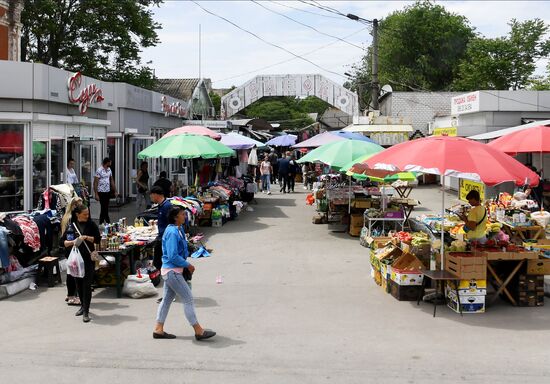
column 10, row 29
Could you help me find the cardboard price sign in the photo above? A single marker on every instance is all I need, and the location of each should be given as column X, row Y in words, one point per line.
column 451, row 131
column 467, row 186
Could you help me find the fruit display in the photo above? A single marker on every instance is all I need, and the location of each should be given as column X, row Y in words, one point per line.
column 458, row 246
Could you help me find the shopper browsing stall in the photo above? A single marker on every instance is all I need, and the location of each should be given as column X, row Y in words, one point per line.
column 142, row 185
column 83, row 233
column 164, row 183
column 174, row 260
column 158, row 197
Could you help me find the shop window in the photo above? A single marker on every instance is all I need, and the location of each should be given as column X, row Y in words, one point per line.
column 58, row 167
column 39, row 170
column 11, row 167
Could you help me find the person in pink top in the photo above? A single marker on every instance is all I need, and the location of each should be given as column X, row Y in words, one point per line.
column 265, row 171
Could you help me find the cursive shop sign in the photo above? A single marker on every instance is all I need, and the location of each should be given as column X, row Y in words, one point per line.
column 174, row 109
column 83, row 96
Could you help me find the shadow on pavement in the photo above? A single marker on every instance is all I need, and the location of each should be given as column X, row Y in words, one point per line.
column 107, row 306
column 205, row 302
column 217, row 342
column 110, row 319
column 500, row 315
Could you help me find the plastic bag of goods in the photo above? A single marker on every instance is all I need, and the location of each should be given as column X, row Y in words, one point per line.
column 541, row 217
column 138, row 287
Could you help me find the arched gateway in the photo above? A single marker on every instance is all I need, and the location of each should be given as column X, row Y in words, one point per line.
column 289, row 85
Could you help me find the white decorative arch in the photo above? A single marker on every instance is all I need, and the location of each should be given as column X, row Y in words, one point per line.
column 290, row 85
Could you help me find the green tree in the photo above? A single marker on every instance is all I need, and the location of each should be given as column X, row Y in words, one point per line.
column 507, row 62
column 216, row 101
column 288, row 111
column 419, row 47
column 100, row 38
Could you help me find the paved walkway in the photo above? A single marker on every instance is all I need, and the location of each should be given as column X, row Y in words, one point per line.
column 297, row 305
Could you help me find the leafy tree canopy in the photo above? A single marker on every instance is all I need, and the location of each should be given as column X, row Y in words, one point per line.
column 290, row 112
column 419, row 47
column 100, row 38
column 507, row 62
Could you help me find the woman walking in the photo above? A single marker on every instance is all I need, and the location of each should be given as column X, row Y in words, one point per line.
column 72, row 294
column 104, row 186
column 174, row 255
column 84, row 234
column 266, row 170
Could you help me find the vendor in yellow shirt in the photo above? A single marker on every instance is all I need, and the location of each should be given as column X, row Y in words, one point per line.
column 476, row 220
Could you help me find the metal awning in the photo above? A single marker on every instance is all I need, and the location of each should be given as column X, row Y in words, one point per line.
column 378, row 128
column 505, row 131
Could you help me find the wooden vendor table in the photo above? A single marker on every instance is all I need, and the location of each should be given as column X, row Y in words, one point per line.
column 523, row 232
column 403, row 192
column 440, row 277
column 132, row 252
column 518, row 258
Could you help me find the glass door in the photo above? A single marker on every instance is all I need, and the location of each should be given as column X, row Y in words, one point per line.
column 136, row 145
column 88, row 160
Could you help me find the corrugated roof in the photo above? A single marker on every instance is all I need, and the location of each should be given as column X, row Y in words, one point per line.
column 178, row 88
column 378, row 128
column 505, row 131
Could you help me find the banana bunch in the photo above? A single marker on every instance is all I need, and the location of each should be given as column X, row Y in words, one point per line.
column 493, row 227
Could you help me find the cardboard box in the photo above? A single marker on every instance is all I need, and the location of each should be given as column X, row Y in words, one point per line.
column 404, row 292
column 356, row 220
column 355, row 231
column 466, row 265
column 406, row 277
column 472, row 284
column 511, row 255
column 378, row 242
column 408, row 262
column 361, row 203
column 538, row 267
column 469, row 303
column 450, row 286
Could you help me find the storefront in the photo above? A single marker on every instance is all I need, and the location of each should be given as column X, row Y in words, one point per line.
column 141, row 118
column 48, row 116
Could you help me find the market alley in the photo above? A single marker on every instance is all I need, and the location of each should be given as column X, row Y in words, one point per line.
column 296, row 304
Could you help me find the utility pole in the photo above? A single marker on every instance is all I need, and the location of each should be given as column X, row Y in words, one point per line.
column 375, row 84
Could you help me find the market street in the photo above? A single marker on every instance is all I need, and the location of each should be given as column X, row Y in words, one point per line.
column 296, row 305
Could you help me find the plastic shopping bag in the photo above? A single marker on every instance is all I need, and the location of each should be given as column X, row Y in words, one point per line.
column 75, row 263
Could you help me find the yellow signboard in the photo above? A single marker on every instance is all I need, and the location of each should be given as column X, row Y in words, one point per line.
column 467, row 186
column 451, row 131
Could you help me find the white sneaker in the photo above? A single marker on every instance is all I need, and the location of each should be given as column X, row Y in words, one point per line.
column 269, row 192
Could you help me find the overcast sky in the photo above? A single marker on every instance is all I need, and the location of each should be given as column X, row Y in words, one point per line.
column 231, row 56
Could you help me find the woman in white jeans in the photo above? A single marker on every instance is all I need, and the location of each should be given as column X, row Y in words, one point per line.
column 174, row 260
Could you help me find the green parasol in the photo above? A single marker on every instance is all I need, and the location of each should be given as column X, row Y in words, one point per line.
column 340, row 153
column 186, row 147
column 38, row 148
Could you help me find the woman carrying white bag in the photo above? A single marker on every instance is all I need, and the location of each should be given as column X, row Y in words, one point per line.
column 82, row 234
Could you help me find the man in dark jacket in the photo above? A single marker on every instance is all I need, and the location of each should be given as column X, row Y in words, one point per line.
column 274, row 160
column 164, row 183
column 284, row 174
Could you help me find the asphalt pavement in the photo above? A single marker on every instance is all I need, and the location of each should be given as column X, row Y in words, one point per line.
column 296, row 304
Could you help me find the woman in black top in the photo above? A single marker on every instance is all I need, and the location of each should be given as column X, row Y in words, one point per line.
column 142, row 184
column 89, row 235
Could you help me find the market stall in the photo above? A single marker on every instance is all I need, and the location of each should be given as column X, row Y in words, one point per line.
column 472, row 267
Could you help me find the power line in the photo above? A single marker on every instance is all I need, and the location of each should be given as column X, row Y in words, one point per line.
column 303, row 10
column 288, row 60
column 326, row 8
column 308, row 26
column 265, row 41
